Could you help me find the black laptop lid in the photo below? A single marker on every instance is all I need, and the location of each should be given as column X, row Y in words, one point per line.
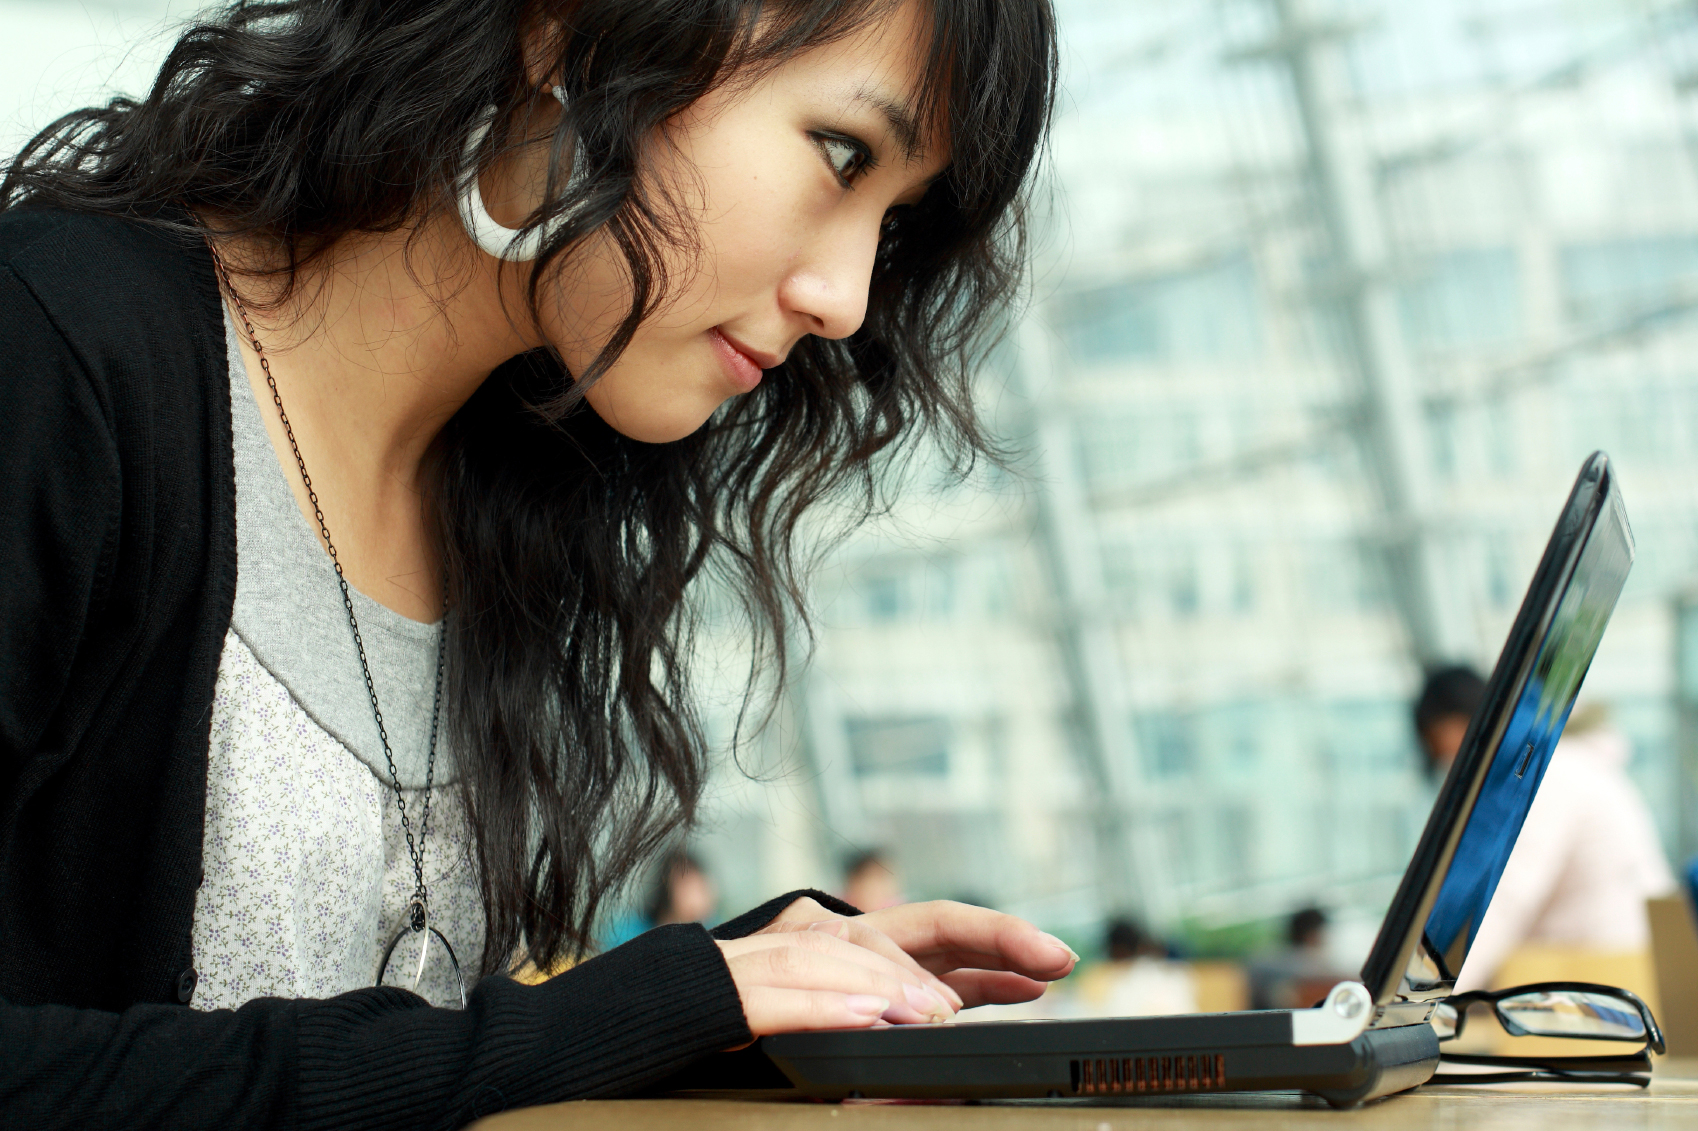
column 1484, row 800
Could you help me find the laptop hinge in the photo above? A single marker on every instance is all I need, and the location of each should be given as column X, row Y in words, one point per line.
column 1395, row 1014
column 1338, row 1020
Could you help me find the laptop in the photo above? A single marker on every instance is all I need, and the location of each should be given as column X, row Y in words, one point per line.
column 1366, row 1039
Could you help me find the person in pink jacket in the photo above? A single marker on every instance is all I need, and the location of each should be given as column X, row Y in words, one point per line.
column 1586, row 860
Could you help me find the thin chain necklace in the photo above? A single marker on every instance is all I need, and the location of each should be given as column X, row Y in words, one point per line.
column 417, row 919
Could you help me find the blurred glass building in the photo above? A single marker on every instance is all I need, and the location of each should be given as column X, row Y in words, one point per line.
column 1331, row 300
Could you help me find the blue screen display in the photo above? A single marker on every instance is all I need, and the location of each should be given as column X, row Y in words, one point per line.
column 1518, row 762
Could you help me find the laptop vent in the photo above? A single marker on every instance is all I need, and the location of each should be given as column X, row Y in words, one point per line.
column 1122, row 1075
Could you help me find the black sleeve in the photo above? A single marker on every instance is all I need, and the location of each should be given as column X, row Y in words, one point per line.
column 379, row 1058
column 59, row 518
column 751, row 921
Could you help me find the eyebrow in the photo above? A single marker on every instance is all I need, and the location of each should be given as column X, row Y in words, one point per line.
column 904, row 123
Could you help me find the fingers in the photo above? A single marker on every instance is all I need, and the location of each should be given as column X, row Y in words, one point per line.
column 994, row 987
column 816, row 961
column 806, row 913
column 875, row 940
column 913, row 1000
column 776, row 1009
column 943, row 935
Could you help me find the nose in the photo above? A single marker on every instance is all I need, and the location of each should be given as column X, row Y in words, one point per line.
column 826, row 286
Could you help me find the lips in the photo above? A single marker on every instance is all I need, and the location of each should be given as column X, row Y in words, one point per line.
column 759, row 357
column 742, row 364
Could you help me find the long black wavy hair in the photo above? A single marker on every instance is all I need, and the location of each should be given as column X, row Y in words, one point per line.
column 569, row 550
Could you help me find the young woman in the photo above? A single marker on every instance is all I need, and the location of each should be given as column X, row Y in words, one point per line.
column 375, row 391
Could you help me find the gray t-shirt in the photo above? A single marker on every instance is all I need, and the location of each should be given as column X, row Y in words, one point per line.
column 305, row 864
column 289, row 612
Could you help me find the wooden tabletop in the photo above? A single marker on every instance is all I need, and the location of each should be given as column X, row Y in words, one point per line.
column 1671, row 1102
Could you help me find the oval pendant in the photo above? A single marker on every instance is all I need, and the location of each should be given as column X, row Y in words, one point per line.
column 407, row 928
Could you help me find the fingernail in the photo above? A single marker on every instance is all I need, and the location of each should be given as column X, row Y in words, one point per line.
column 1061, row 945
column 943, row 990
column 866, row 1004
column 827, row 927
column 926, row 1003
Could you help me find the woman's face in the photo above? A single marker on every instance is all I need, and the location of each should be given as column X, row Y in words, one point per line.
column 788, row 181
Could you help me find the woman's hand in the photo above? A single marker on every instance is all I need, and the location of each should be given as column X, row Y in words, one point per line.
column 813, row 969
column 987, row 957
column 807, row 979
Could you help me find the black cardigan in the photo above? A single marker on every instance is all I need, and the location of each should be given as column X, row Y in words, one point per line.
column 117, row 576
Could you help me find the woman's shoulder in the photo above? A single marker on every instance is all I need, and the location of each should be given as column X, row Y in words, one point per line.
column 35, row 238
column 118, row 294
column 95, row 272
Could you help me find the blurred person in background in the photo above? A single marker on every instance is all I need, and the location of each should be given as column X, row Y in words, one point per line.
column 683, row 892
column 1302, row 971
column 680, row 891
column 1448, row 700
column 871, row 881
column 1586, row 860
column 1138, row 980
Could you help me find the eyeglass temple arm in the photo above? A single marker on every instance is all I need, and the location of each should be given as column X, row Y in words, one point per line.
column 1540, row 1076
column 1635, row 1062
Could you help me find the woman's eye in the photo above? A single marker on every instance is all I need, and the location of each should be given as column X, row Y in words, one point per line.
column 847, row 159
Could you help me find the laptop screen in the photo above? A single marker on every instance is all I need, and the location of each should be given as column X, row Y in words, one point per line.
column 1522, row 753
column 1485, row 799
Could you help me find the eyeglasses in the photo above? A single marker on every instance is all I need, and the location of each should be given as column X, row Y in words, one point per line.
column 1578, row 1010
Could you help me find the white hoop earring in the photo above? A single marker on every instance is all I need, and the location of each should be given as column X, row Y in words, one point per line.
column 513, row 245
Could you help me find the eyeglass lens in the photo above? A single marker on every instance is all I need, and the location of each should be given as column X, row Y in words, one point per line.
column 1571, row 1013
column 1444, row 1020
